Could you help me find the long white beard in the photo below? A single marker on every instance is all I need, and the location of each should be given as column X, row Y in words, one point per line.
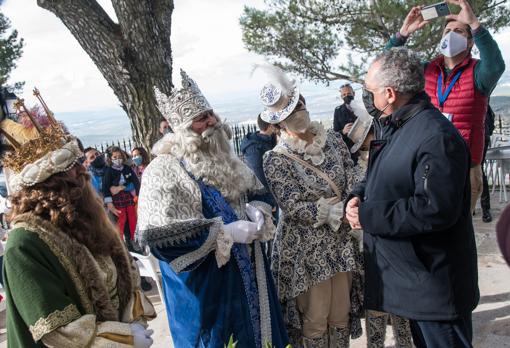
column 209, row 157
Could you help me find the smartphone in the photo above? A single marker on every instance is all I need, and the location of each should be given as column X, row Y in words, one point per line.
column 440, row 9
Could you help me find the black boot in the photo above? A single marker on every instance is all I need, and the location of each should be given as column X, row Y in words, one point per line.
column 486, row 216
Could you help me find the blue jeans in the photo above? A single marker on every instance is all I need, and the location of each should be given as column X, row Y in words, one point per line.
column 443, row 334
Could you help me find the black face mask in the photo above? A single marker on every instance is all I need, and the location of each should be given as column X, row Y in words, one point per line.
column 348, row 99
column 98, row 162
column 368, row 100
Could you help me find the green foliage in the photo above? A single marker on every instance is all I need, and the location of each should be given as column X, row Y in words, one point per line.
column 232, row 344
column 10, row 50
column 305, row 36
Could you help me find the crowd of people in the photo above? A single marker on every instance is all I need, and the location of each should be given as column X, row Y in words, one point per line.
column 294, row 243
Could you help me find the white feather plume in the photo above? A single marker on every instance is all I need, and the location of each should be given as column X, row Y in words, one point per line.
column 276, row 76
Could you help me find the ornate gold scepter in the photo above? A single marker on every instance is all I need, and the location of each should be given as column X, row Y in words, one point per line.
column 49, row 113
column 10, row 139
column 19, row 104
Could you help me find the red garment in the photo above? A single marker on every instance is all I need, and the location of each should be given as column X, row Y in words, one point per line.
column 465, row 103
column 127, row 214
column 123, row 199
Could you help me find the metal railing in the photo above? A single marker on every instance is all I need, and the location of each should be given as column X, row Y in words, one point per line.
column 125, row 144
column 238, row 133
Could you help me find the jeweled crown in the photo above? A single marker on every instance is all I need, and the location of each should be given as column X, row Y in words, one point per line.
column 35, row 160
column 182, row 105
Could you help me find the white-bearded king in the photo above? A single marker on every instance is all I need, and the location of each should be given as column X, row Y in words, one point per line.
column 198, row 213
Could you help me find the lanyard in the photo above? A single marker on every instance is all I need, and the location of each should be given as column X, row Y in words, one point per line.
column 443, row 96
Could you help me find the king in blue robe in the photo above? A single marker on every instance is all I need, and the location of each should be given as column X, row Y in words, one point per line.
column 206, row 304
column 213, row 287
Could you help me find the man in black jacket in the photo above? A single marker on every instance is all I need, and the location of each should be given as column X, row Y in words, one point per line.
column 344, row 116
column 414, row 208
column 485, row 199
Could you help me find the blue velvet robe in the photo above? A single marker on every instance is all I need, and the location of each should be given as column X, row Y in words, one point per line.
column 206, row 304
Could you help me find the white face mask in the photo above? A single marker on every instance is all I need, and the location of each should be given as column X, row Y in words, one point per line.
column 298, row 122
column 118, row 162
column 452, row 44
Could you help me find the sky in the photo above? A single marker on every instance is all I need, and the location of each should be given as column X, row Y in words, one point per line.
column 206, row 42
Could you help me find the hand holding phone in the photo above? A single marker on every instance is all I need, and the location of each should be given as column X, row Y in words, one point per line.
column 413, row 21
column 466, row 14
column 440, row 9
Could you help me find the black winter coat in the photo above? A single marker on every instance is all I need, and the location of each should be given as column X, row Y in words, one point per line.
column 112, row 178
column 253, row 148
column 343, row 115
column 419, row 243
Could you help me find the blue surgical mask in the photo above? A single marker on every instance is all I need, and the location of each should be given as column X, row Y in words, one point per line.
column 138, row 160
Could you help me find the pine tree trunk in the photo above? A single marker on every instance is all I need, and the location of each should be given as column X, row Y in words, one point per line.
column 133, row 55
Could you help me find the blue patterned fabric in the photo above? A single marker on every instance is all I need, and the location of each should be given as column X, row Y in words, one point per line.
column 206, row 304
column 213, row 204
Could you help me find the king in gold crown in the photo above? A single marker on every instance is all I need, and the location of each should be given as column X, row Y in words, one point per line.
column 37, row 159
column 182, row 105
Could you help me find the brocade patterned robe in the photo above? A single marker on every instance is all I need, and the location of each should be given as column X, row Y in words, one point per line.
column 306, row 250
column 212, row 289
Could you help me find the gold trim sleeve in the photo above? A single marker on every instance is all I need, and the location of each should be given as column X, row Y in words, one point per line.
column 86, row 332
column 53, row 321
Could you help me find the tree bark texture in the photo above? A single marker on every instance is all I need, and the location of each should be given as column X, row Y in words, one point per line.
column 133, row 55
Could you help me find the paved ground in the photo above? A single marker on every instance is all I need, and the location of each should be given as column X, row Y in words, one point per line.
column 491, row 318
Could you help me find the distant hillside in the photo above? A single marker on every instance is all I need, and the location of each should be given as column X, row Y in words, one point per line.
column 501, row 105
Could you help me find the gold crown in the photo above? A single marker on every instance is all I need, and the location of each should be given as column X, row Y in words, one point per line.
column 50, row 139
column 35, row 160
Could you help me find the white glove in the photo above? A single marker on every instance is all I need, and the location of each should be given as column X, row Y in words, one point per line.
column 242, row 231
column 256, row 216
column 141, row 336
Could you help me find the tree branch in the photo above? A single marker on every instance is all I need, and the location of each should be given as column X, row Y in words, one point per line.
column 144, row 25
column 95, row 31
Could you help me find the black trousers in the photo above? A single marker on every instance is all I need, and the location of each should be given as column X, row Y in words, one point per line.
column 485, row 199
column 442, row 334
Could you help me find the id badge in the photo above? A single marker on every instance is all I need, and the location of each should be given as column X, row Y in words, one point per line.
column 448, row 116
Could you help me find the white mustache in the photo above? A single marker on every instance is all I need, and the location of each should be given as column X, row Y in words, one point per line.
column 219, row 127
column 210, row 131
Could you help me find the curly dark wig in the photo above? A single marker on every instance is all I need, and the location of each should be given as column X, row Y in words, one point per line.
column 70, row 203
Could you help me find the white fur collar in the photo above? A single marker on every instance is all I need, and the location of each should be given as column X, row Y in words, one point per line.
column 312, row 152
